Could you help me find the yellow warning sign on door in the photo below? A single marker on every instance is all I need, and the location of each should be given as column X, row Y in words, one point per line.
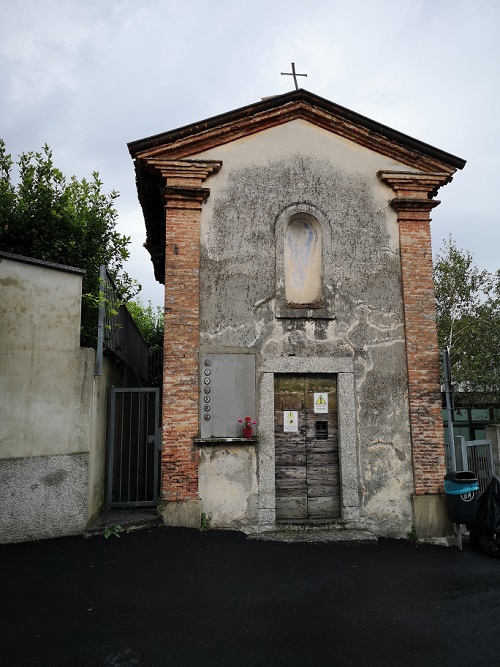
column 320, row 402
column 290, row 421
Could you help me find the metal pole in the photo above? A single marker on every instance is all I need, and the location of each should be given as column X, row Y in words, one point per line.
column 100, row 322
column 449, row 406
column 458, row 535
column 463, row 450
column 111, row 446
column 448, row 391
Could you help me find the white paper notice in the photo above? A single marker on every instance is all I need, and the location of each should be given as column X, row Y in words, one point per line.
column 290, row 421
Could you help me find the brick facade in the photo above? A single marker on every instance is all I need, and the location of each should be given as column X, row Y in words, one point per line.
column 413, row 204
column 183, row 197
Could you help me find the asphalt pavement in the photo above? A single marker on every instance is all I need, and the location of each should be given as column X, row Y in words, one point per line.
column 164, row 596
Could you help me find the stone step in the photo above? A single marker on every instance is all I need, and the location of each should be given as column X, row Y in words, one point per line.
column 123, row 520
column 325, row 534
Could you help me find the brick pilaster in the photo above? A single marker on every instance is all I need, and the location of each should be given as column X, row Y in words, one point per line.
column 183, row 195
column 413, row 203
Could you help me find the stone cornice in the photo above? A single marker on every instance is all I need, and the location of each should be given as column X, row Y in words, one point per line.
column 412, row 185
column 412, row 205
column 181, row 195
column 240, row 128
column 181, row 172
column 169, row 184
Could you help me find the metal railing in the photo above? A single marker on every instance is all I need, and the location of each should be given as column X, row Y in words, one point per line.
column 475, row 455
column 117, row 331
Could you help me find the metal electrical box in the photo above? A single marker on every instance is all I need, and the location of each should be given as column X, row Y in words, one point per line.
column 227, row 393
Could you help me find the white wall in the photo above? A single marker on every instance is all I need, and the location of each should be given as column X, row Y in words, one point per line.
column 52, row 409
column 45, row 378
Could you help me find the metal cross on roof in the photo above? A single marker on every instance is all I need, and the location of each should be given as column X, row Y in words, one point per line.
column 294, row 74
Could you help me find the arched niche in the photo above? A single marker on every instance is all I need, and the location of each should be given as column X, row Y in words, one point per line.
column 304, row 270
column 303, row 261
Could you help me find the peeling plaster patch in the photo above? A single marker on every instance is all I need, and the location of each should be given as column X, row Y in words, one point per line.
column 383, row 319
column 386, row 473
column 228, row 484
column 221, row 329
column 310, row 328
column 370, row 325
column 390, row 505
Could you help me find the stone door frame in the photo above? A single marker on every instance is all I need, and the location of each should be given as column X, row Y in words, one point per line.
column 348, row 450
column 307, row 461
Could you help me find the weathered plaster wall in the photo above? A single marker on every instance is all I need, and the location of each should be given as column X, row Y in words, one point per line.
column 112, row 375
column 52, row 409
column 228, row 484
column 299, row 164
column 43, row 496
column 45, row 378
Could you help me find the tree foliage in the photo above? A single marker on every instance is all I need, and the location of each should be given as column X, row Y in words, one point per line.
column 149, row 321
column 44, row 216
column 468, row 322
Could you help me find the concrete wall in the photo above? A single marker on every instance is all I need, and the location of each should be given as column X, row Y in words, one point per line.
column 300, row 168
column 44, row 379
column 228, row 485
column 112, row 375
column 52, row 410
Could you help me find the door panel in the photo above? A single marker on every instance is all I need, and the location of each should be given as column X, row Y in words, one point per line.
column 307, row 461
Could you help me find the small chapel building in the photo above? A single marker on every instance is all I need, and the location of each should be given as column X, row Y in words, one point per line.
column 293, row 240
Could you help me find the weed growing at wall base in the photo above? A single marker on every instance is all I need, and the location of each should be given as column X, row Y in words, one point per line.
column 205, row 522
column 412, row 536
column 113, row 530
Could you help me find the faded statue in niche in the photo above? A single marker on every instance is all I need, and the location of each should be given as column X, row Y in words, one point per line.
column 303, row 260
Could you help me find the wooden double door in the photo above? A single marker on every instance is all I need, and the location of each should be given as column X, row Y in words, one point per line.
column 307, row 450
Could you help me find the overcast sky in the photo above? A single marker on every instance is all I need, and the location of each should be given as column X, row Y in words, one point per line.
column 88, row 76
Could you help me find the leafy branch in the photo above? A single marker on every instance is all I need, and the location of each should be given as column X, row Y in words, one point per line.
column 45, row 216
column 468, row 321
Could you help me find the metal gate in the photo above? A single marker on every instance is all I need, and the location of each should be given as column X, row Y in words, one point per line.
column 134, row 447
column 475, row 455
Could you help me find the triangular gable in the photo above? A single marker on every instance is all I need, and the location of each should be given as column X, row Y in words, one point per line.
column 192, row 139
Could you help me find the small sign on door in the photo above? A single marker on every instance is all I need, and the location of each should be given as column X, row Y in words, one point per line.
column 320, row 402
column 290, row 421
